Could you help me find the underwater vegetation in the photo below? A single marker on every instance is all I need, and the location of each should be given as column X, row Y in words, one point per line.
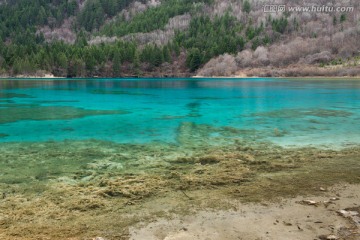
column 194, row 109
column 14, row 105
column 3, row 135
column 192, row 134
column 119, row 92
column 300, row 113
column 66, row 185
column 8, row 115
column 14, row 95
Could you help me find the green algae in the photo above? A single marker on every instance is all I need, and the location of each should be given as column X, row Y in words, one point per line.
column 194, row 109
column 14, row 95
column 3, row 135
column 170, row 117
column 208, row 98
column 236, row 132
column 57, row 188
column 189, row 133
column 16, row 105
column 193, row 105
column 300, row 113
column 192, row 134
column 57, row 101
column 8, row 115
column 119, row 92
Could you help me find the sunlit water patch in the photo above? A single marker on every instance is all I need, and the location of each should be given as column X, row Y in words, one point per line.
column 181, row 111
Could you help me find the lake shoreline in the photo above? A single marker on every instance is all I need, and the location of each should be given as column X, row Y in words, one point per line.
column 52, row 77
column 114, row 191
column 303, row 217
column 295, row 71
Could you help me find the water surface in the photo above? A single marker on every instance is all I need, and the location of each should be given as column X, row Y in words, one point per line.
column 285, row 112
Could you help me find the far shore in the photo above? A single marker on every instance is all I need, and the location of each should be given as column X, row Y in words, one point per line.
column 295, row 78
column 295, row 71
column 50, row 76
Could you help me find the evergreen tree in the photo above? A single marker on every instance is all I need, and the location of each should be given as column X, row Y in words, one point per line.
column 166, row 54
column 194, row 58
column 137, row 63
column 342, row 18
column 176, row 49
column 116, row 64
column 334, row 20
column 81, row 40
column 279, row 25
column 62, row 60
column 246, row 6
column 90, row 63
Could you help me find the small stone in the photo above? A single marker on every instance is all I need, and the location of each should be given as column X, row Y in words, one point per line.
column 331, row 237
column 287, row 223
column 322, row 189
column 345, row 213
column 327, row 203
column 310, row 202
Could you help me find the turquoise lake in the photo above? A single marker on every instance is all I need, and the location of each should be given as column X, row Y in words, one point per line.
column 283, row 111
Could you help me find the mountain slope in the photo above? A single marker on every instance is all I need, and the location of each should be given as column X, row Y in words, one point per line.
column 113, row 38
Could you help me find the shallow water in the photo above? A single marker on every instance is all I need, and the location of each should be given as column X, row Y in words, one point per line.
column 84, row 158
column 285, row 112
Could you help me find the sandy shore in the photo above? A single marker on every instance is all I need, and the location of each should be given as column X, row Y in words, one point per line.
column 313, row 217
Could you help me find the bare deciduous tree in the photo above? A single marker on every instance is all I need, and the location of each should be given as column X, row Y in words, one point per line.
column 223, row 65
column 244, row 58
column 261, row 56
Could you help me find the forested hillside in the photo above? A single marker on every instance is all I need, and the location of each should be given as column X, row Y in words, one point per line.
column 118, row 38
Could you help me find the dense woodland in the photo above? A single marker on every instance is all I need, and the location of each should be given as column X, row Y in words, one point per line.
column 116, row 38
